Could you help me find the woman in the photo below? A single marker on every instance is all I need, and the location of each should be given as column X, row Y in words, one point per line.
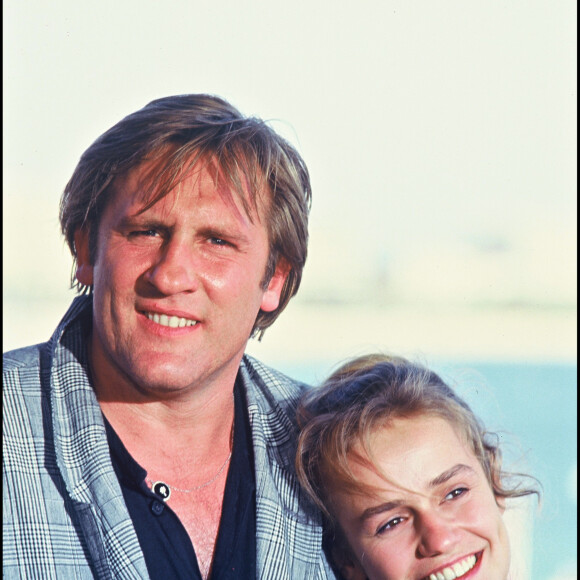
column 410, row 482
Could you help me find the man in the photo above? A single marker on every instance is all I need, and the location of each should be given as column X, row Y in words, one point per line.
column 140, row 441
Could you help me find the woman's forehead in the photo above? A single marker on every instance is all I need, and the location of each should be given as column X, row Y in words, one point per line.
column 405, row 443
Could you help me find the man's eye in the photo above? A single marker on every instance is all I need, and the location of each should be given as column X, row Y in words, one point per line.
column 219, row 242
column 144, row 233
column 456, row 493
column 393, row 523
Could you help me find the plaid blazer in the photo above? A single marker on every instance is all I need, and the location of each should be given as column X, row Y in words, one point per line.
column 63, row 510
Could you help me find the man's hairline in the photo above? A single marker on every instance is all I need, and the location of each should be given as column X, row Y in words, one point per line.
column 262, row 202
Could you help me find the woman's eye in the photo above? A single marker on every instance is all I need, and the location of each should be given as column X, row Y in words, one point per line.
column 456, row 493
column 393, row 523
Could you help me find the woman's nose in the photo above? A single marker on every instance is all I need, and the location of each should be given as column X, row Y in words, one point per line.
column 437, row 535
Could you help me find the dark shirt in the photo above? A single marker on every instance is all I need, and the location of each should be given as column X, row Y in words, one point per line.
column 167, row 548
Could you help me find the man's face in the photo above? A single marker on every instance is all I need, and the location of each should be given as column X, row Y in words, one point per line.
column 176, row 287
column 434, row 514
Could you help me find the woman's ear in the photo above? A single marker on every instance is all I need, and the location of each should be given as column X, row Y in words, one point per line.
column 84, row 273
column 352, row 571
column 495, row 474
column 345, row 561
column 500, row 501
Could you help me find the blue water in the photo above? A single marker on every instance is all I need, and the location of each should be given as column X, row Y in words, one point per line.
column 534, row 407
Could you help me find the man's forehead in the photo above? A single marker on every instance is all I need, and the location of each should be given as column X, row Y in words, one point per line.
column 151, row 181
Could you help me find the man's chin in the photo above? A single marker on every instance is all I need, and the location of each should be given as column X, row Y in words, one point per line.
column 164, row 382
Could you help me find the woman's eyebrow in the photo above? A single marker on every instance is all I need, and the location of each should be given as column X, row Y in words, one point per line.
column 440, row 479
column 381, row 508
column 449, row 473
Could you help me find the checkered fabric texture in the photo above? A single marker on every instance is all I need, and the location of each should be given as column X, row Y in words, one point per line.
column 64, row 516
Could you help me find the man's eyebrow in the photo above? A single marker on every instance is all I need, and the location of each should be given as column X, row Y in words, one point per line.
column 447, row 475
column 138, row 220
column 226, row 232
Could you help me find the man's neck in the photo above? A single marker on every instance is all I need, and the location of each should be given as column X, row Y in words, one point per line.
column 164, row 438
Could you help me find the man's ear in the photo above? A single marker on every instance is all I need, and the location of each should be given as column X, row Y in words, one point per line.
column 271, row 297
column 84, row 272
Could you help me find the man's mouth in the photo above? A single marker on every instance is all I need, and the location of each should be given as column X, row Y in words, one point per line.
column 170, row 321
column 457, row 570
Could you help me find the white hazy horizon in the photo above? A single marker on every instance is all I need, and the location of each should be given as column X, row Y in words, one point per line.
column 470, row 300
column 440, row 137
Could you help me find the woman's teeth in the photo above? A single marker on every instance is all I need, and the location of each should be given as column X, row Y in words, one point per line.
column 456, row 571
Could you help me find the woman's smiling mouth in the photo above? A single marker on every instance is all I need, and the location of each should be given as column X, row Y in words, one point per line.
column 455, row 571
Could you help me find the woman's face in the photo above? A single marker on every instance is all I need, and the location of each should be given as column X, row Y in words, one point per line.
column 434, row 515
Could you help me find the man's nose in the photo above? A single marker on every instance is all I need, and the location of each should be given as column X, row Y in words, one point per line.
column 175, row 269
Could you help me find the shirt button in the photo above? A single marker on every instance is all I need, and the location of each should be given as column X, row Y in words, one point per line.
column 157, row 508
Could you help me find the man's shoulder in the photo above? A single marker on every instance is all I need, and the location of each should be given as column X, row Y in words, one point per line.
column 28, row 356
column 31, row 356
column 272, row 397
column 21, row 372
column 272, row 381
